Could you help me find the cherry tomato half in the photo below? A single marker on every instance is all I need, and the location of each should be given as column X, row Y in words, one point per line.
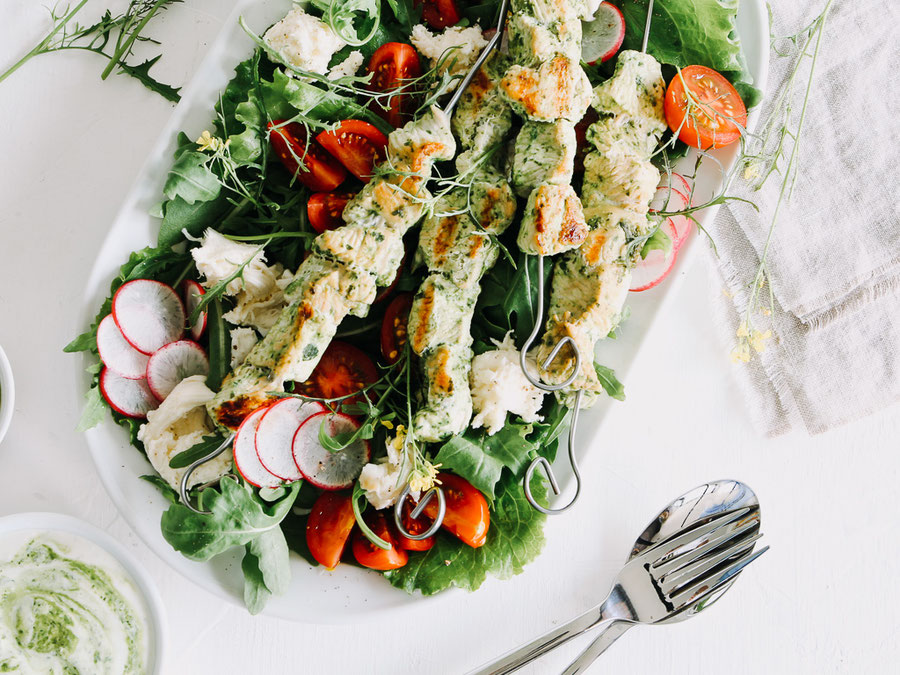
column 342, row 370
column 311, row 165
column 357, row 145
column 414, row 526
column 369, row 555
column 391, row 65
column 717, row 115
column 328, row 528
column 393, row 327
column 440, row 13
column 468, row 517
column 324, row 210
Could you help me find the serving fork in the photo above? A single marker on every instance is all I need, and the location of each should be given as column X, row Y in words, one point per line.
column 665, row 582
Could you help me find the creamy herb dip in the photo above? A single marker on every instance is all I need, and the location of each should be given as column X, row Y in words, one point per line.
column 67, row 606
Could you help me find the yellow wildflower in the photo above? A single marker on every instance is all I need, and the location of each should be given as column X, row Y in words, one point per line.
column 424, row 477
column 741, row 353
column 758, row 340
column 209, row 142
column 751, row 170
column 743, row 331
column 387, row 424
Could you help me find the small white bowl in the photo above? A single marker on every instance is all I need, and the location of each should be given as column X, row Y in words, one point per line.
column 57, row 522
column 7, row 394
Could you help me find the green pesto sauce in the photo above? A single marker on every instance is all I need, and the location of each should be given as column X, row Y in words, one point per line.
column 61, row 615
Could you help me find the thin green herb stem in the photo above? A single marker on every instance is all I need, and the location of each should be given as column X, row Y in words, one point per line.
column 122, row 50
column 39, row 48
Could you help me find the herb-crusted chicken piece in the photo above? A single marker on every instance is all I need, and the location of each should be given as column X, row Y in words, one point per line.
column 556, row 89
column 553, row 221
column 544, row 153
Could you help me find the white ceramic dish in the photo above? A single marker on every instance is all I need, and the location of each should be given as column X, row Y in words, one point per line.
column 55, row 522
column 348, row 594
column 7, row 394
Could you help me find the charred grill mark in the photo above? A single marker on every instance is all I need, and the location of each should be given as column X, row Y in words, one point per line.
column 423, row 306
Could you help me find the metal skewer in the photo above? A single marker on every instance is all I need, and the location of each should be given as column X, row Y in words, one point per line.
column 448, row 109
column 537, row 382
column 185, row 479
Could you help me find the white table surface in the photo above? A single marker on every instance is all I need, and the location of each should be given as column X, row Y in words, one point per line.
column 70, row 146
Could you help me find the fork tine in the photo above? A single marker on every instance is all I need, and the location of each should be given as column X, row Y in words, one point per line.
column 695, row 571
column 681, row 598
column 725, row 534
column 665, row 548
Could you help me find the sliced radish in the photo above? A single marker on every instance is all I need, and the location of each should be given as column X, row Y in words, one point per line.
column 149, row 314
column 191, row 293
column 171, row 364
column 672, row 199
column 324, row 468
column 246, row 461
column 275, row 435
column 131, row 398
column 603, row 35
column 117, row 354
column 649, row 271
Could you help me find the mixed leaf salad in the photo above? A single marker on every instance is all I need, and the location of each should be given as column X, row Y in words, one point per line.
column 304, row 132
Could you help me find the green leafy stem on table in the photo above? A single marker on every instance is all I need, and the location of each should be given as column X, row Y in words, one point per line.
column 112, row 37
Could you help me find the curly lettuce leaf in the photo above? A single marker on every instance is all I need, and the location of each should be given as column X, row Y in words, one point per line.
column 514, row 539
column 689, row 32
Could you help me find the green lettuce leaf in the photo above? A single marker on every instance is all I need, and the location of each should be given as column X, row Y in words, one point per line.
column 267, row 569
column 237, row 517
column 191, row 179
column 689, row 32
column 514, row 539
column 481, row 459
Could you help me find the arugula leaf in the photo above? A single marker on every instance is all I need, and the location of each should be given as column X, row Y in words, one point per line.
column 237, row 516
column 197, row 451
column 659, row 240
column 508, row 299
column 267, row 569
column 167, row 490
column 179, row 216
column 141, row 72
column 407, row 12
column 190, row 178
column 688, row 32
column 94, row 410
column 611, row 384
column 514, row 539
column 219, row 345
column 256, row 593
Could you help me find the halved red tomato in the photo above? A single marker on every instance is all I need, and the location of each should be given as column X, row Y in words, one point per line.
column 391, row 65
column 308, row 162
column 414, row 526
column 716, row 116
column 369, row 555
column 440, row 13
column 328, row 528
column 393, row 327
column 468, row 517
column 324, row 210
column 342, row 370
column 357, row 145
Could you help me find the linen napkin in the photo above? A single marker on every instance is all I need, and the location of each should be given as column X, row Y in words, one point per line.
column 834, row 260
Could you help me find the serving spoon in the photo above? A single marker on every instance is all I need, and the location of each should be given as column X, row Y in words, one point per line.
column 682, row 563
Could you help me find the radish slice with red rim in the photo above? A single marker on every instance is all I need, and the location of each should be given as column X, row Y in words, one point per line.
column 246, row 461
column 116, row 352
column 171, row 364
column 275, row 435
column 649, row 271
column 603, row 35
column 191, row 294
column 149, row 314
column 324, row 468
column 131, row 398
